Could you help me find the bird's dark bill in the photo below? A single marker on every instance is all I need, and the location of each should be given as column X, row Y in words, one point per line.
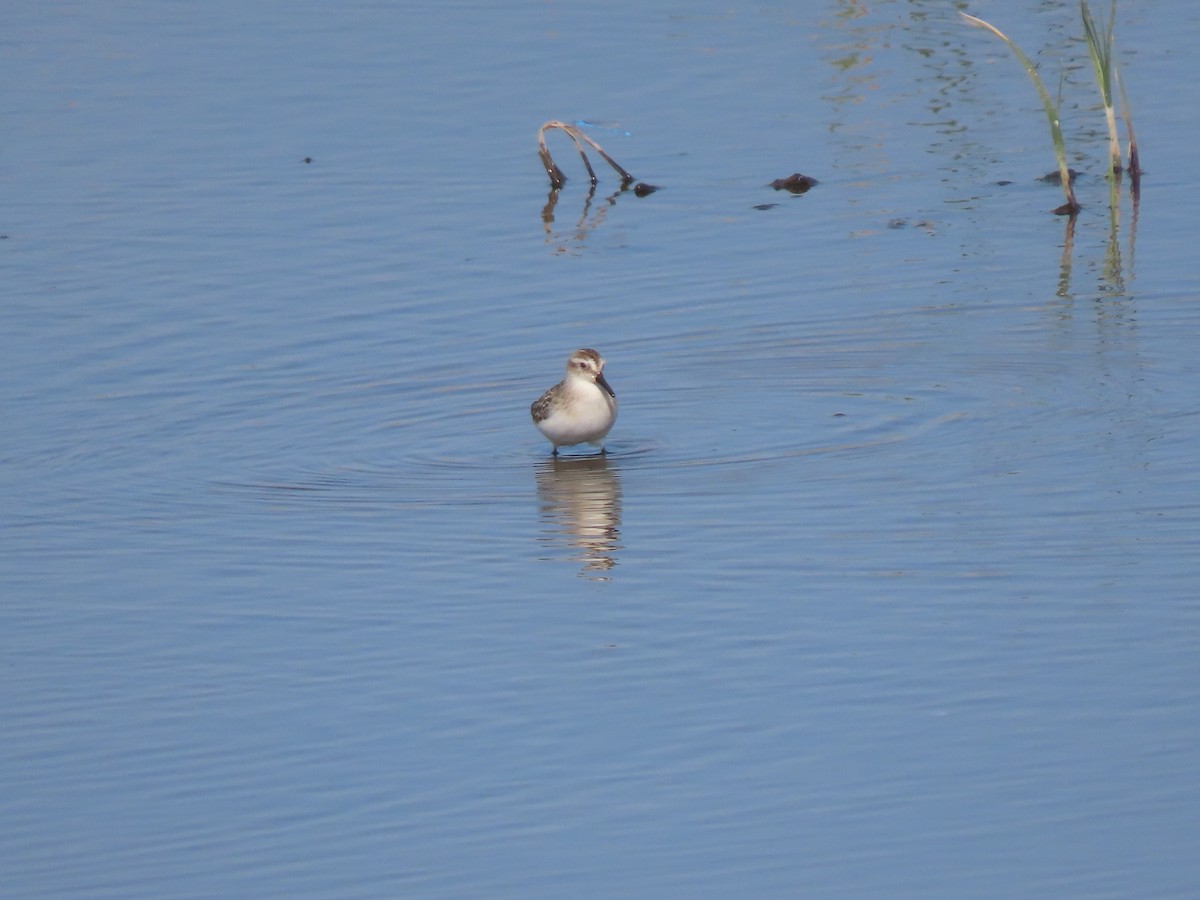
column 604, row 384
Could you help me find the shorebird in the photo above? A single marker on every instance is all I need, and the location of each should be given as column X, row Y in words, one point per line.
column 579, row 409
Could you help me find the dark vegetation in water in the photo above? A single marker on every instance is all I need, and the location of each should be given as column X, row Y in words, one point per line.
column 558, row 179
column 1055, row 177
column 796, row 184
column 1099, row 39
column 1100, row 45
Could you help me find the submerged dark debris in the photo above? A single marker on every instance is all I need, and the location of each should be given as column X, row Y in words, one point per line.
column 796, row 183
column 1055, row 177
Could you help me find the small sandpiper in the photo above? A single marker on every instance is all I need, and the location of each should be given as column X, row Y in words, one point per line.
column 579, row 409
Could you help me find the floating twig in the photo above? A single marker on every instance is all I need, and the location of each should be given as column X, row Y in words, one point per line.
column 558, row 179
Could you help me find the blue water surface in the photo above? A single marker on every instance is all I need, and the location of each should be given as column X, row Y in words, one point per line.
column 887, row 585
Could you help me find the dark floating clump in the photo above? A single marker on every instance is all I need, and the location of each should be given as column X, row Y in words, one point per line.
column 900, row 223
column 1055, row 177
column 797, row 183
column 558, row 179
column 307, row 159
column 765, row 206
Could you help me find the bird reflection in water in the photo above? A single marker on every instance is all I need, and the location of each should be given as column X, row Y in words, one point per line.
column 580, row 503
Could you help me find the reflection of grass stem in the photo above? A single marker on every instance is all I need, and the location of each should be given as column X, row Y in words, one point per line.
column 1064, row 266
column 557, row 178
column 1100, row 49
column 1071, row 207
column 1112, row 258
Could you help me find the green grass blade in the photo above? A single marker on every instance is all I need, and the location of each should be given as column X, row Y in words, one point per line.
column 1135, row 166
column 1100, row 49
column 1056, row 136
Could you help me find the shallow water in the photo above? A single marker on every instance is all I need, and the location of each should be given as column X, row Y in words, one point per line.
column 886, row 585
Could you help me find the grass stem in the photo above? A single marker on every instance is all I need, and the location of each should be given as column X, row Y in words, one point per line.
column 1071, row 207
column 1100, row 49
column 557, row 178
column 1135, row 167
